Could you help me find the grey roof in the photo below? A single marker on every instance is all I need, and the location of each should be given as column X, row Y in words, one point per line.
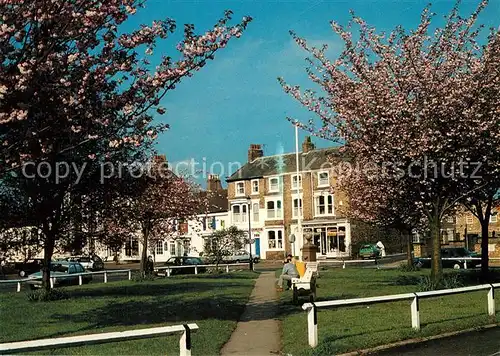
column 286, row 163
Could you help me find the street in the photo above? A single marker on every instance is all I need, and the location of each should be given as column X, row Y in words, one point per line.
column 478, row 343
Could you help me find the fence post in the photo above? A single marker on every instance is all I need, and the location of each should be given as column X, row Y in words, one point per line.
column 343, row 266
column 52, row 282
column 168, row 271
column 195, row 269
column 415, row 314
column 18, row 286
column 185, row 342
column 312, row 326
column 105, row 277
column 465, row 264
column 129, row 275
column 80, row 281
column 491, row 301
column 227, row 268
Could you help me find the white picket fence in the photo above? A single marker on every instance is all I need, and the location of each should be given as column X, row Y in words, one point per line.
column 53, row 280
column 37, row 345
column 311, row 308
column 168, row 269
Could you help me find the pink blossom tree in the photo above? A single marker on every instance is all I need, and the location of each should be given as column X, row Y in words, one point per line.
column 77, row 94
column 421, row 102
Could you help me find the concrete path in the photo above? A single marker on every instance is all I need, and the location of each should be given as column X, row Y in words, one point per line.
column 258, row 332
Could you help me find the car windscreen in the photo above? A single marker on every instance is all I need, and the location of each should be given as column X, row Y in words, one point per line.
column 83, row 259
column 192, row 261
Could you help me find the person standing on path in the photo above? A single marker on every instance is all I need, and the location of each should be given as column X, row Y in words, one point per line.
column 289, row 272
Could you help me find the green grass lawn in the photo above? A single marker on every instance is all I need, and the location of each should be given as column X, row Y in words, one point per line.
column 214, row 302
column 352, row 328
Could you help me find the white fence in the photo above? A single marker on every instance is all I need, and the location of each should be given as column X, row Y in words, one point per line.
column 53, row 280
column 311, row 308
column 36, row 345
column 346, row 262
column 168, row 269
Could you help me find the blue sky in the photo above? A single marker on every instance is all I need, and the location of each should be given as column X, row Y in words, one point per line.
column 236, row 100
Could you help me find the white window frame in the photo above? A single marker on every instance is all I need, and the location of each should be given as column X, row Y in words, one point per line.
column 494, row 218
column 294, row 186
column 241, row 216
column 327, row 184
column 159, row 245
column 316, row 204
column 450, row 219
column 469, row 220
column 237, row 190
column 277, row 238
column 277, row 186
column 295, row 210
column 277, row 212
column 255, row 212
column 255, row 191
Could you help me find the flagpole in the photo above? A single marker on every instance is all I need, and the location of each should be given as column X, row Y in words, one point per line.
column 299, row 202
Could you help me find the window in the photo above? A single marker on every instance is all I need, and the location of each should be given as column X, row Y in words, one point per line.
column 239, row 213
column 240, row 188
column 493, row 218
column 451, row 219
column 297, row 181
column 468, row 220
column 297, row 208
column 274, row 184
column 222, row 224
column 324, row 204
column 323, row 179
column 159, row 247
column 273, row 209
column 172, row 249
column 275, row 239
column 255, row 210
column 255, row 186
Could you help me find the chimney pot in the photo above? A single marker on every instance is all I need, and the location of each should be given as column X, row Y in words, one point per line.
column 307, row 145
column 213, row 183
column 255, row 151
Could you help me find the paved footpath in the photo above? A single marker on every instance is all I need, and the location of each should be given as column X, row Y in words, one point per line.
column 258, row 331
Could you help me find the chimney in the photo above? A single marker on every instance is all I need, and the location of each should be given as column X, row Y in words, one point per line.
column 254, row 152
column 213, row 183
column 307, row 145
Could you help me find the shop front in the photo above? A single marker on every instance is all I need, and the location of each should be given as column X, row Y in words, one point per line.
column 333, row 239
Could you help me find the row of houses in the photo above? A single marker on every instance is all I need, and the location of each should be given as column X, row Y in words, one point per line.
column 280, row 199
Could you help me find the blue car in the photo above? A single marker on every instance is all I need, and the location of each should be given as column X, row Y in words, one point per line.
column 63, row 273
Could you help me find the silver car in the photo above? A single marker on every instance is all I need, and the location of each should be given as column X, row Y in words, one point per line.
column 240, row 256
column 90, row 263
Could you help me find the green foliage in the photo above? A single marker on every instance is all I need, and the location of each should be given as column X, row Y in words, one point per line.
column 142, row 277
column 405, row 267
column 224, row 243
column 41, row 295
column 448, row 281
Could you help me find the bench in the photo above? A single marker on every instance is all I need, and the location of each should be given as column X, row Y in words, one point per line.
column 305, row 285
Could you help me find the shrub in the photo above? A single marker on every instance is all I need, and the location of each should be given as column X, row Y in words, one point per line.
column 405, row 267
column 140, row 277
column 448, row 281
column 41, row 295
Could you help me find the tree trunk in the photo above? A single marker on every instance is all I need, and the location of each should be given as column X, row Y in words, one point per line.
column 48, row 251
column 437, row 267
column 484, row 249
column 144, row 254
column 409, row 248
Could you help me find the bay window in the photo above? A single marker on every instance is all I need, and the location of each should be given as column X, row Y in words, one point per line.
column 324, row 204
column 274, row 210
column 275, row 239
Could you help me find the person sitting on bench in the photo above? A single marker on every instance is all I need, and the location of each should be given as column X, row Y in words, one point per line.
column 289, row 272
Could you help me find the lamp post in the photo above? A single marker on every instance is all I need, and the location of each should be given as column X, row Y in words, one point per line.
column 249, row 202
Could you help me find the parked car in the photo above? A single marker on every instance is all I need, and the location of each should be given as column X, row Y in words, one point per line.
column 369, row 251
column 29, row 266
column 185, row 261
column 90, row 263
column 61, row 271
column 451, row 252
column 240, row 256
